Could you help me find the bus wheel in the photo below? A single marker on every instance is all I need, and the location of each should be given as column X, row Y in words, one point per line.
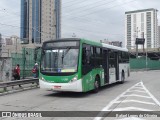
column 96, row 85
column 122, row 77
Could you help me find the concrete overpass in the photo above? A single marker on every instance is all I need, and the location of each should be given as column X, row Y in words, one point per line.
column 152, row 53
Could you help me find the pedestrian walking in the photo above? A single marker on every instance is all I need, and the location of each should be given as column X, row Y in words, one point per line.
column 35, row 71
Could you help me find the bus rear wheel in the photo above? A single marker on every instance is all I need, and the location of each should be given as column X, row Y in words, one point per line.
column 96, row 85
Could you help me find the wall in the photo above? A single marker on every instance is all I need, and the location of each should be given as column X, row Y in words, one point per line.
column 5, row 69
column 140, row 63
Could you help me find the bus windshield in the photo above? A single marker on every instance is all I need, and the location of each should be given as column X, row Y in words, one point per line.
column 60, row 60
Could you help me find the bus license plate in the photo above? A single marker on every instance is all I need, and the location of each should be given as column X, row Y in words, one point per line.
column 57, row 87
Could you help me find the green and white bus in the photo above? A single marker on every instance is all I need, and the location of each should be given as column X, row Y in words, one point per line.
column 80, row 65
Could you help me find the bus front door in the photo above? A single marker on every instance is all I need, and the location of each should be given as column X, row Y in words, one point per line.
column 117, row 65
column 106, row 66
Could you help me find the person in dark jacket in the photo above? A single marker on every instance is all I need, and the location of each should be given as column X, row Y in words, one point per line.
column 17, row 73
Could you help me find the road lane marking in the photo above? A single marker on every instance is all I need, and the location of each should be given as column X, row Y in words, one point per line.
column 155, row 100
column 138, row 85
column 137, row 101
column 137, row 91
column 129, row 109
column 135, row 95
column 112, row 102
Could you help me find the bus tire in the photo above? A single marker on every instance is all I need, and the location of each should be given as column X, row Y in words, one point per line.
column 122, row 77
column 96, row 84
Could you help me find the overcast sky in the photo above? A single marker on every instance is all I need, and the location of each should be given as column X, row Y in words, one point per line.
column 91, row 19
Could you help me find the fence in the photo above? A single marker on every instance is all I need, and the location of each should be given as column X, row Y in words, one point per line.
column 26, row 59
column 143, row 63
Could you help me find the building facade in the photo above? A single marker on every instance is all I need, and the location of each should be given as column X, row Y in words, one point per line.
column 11, row 45
column 40, row 20
column 159, row 36
column 141, row 24
column 114, row 43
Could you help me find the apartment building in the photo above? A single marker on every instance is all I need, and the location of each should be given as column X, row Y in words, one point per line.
column 141, row 24
column 40, row 20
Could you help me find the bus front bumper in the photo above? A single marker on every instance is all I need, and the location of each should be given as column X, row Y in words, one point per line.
column 75, row 86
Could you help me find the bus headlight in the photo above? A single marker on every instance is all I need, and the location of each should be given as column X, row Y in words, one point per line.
column 41, row 78
column 74, row 79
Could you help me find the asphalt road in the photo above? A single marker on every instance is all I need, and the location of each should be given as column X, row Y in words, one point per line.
column 140, row 92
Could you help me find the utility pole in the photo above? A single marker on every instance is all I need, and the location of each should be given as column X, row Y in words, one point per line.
column 137, row 45
column 0, row 45
column 146, row 58
column 144, row 42
column 58, row 18
column 35, row 15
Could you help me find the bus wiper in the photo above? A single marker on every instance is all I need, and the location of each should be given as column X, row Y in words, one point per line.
column 64, row 54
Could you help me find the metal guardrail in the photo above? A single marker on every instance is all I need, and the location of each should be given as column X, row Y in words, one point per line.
column 4, row 85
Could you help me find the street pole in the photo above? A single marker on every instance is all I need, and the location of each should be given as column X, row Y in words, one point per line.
column 144, row 41
column 136, row 50
column 137, row 45
column 0, row 45
column 34, row 22
column 24, row 61
column 146, row 58
column 16, row 44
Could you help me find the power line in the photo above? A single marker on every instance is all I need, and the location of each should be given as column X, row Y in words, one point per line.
column 74, row 4
column 48, row 33
column 88, row 20
column 35, row 29
column 94, row 31
column 92, row 7
column 106, row 8
column 24, row 27
column 72, row 1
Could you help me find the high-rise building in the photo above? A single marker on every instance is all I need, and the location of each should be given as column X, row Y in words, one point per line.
column 40, row 20
column 159, row 36
column 141, row 24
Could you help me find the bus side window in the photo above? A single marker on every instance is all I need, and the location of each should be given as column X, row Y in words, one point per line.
column 120, row 56
column 111, row 59
column 83, row 55
column 86, row 54
column 92, row 51
column 92, row 57
column 86, row 59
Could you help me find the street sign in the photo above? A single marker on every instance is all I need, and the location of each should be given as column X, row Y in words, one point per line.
column 140, row 41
